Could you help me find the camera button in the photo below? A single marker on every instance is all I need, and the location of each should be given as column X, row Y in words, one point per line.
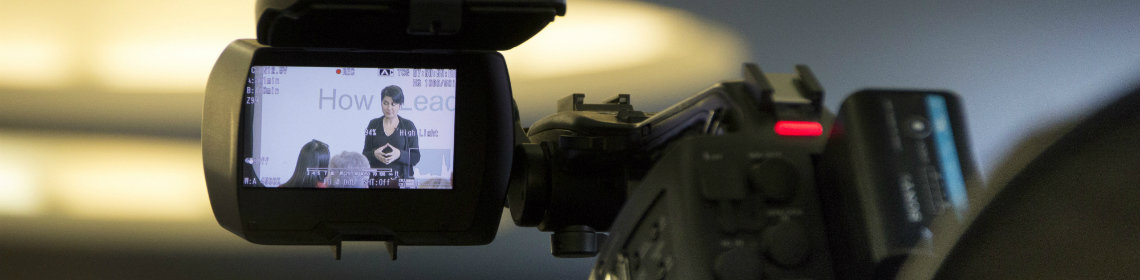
column 727, row 184
column 775, row 179
column 917, row 127
column 786, row 244
column 739, row 263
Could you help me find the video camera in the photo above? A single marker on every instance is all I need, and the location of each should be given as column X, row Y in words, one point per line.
column 393, row 121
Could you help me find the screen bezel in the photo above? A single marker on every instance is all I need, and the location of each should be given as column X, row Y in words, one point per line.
column 466, row 214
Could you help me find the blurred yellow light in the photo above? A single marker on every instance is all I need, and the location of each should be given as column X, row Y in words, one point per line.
column 35, row 50
column 26, row 64
column 164, row 46
column 140, row 188
column 119, row 46
column 101, row 177
column 19, row 192
column 160, row 66
column 603, row 48
column 595, row 36
column 132, row 179
column 33, row 61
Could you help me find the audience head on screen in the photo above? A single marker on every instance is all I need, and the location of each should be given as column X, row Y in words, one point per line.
column 348, row 170
column 314, row 154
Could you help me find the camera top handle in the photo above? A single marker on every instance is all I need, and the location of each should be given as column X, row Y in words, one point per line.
column 485, row 25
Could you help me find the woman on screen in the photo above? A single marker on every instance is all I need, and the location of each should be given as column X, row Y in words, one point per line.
column 391, row 142
column 314, row 155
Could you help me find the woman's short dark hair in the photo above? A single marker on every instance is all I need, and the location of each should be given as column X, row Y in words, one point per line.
column 395, row 92
column 314, row 154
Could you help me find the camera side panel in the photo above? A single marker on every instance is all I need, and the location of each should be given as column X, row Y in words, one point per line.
column 220, row 118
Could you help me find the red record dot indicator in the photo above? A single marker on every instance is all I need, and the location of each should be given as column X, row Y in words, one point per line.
column 338, row 71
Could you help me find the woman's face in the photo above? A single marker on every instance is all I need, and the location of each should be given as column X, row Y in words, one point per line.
column 390, row 108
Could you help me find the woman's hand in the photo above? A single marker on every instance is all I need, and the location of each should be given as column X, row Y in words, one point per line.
column 392, row 156
column 389, row 157
column 380, row 155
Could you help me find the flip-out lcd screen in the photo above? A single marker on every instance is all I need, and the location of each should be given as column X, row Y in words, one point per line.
column 349, row 128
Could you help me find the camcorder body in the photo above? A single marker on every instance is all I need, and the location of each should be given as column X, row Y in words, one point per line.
column 394, row 121
column 753, row 188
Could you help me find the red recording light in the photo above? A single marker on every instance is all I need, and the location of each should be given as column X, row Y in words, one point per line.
column 338, row 71
column 798, row 128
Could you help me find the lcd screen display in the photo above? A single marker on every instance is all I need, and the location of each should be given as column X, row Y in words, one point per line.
column 348, row 128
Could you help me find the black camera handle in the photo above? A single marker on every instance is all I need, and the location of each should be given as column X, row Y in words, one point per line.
column 403, row 24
